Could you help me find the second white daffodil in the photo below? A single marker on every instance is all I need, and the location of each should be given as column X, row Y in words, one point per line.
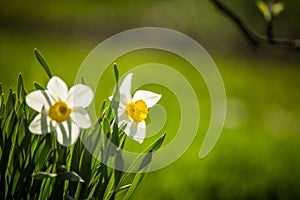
column 60, row 110
column 133, row 111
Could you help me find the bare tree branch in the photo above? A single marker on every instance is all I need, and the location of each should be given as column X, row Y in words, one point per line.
column 251, row 35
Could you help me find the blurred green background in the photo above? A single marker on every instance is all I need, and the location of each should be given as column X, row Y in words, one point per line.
column 257, row 156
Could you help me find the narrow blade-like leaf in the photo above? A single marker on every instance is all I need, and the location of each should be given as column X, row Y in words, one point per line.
column 43, row 62
column 38, row 86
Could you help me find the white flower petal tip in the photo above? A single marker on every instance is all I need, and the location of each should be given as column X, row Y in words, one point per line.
column 150, row 98
column 61, row 111
column 80, row 96
column 67, row 133
column 140, row 135
column 57, row 88
column 127, row 80
column 38, row 99
column 137, row 131
column 36, row 126
column 139, row 140
column 125, row 87
column 81, row 117
column 140, row 132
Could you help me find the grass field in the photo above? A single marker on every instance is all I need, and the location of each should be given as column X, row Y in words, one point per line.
column 257, row 154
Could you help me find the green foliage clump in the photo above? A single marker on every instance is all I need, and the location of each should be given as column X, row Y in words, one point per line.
column 38, row 167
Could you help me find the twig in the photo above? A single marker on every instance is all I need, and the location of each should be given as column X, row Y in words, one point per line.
column 251, row 35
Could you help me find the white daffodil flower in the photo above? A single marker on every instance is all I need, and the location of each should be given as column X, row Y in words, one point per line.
column 60, row 110
column 133, row 111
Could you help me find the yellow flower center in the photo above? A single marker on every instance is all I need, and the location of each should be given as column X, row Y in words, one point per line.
column 138, row 110
column 59, row 111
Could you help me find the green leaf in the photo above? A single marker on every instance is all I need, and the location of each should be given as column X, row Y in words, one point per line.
column 116, row 71
column 85, row 172
column 76, row 153
column 109, row 188
column 138, row 178
column 85, row 169
column 43, row 175
column 82, row 80
column 123, row 141
column 157, row 144
column 11, row 122
column 38, row 86
column 1, row 89
column 44, row 154
column 20, row 88
column 109, row 112
column 102, row 183
column 75, row 160
column 2, row 105
column 138, row 163
column 71, row 176
column 20, row 109
column 103, row 111
column 142, row 160
column 43, row 62
column 10, row 104
column 277, row 8
column 264, row 9
column 116, row 95
column 46, row 189
column 144, row 166
column 119, row 162
column 115, row 134
column 146, row 161
column 105, row 126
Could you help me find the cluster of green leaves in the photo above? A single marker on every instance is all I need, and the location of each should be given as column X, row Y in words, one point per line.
column 37, row 167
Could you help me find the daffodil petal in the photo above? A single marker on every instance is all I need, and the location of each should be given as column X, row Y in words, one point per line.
column 123, row 102
column 150, row 98
column 39, row 99
column 123, row 119
column 80, row 96
column 136, row 131
column 140, row 132
column 67, row 133
column 125, row 87
column 81, row 117
column 57, row 88
column 36, row 126
column 130, row 128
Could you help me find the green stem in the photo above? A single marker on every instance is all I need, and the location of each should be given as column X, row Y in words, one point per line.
column 59, row 184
